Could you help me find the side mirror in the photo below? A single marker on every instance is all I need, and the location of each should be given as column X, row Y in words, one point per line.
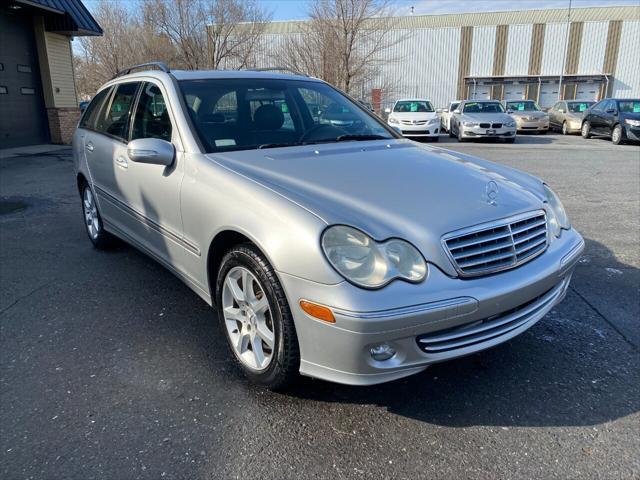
column 152, row 151
column 387, row 110
column 509, row 111
column 611, row 110
column 457, row 110
column 445, row 110
column 561, row 110
column 439, row 110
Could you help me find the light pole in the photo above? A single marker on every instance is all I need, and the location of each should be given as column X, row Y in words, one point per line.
column 564, row 55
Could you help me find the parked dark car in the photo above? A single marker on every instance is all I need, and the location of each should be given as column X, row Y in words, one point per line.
column 617, row 118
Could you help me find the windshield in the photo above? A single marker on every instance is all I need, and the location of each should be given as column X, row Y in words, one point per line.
column 578, row 107
column 245, row 114
column 629, row 106
column 409, row 106
column 483, row 107
column 523, row 106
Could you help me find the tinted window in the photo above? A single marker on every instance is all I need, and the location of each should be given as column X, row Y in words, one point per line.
column 152, row 118
column 89, row 118
column 115, row 119
column 413, row 106
column 599, row 106
column 454, row 106
column 629, row 106
column 243, row 114
column 483, row 107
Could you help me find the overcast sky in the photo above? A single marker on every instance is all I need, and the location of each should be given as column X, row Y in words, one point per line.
column 297, row 9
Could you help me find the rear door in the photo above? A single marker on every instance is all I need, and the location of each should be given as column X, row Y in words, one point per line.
column 106, row 150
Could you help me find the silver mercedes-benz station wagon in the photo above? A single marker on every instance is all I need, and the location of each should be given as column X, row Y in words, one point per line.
column 339, row 251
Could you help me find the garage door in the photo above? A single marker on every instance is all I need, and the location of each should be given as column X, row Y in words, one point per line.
column 23, row 118
column 548, row 94
column 513, row 92
column 587, row 91
column 482, row 92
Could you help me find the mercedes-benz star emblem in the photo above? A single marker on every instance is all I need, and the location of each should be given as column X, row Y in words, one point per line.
column 492, row 192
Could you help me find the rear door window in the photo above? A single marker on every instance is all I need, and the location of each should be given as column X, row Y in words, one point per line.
column 90, row 114
column 115, row 120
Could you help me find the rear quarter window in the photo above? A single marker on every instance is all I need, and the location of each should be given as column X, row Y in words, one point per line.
column 88, row 120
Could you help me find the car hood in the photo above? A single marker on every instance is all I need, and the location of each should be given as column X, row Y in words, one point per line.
column 486, row 117
column 390, row 188
column 529, row 114
column 414, row 115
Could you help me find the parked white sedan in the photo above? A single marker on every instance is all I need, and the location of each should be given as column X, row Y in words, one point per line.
column 445, row 117
column 415, row 118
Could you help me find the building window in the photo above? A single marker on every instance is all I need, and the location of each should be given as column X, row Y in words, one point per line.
column 27, row 91
column 3, row 90
column 24, row 69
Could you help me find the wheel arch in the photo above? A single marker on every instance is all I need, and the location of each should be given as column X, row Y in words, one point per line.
column 81, row 181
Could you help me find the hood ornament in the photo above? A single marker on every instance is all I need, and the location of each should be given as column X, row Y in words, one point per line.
column 491, row 190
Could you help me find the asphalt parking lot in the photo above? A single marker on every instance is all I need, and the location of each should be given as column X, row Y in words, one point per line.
column 111, row 368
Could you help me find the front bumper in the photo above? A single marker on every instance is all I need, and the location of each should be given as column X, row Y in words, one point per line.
column 483, row 132
column 426, row 130
column 632, row 133
column 440, row 319
column 537, row 126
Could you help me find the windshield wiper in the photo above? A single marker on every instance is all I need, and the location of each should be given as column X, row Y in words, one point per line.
column 356, row 138
column 277, row 145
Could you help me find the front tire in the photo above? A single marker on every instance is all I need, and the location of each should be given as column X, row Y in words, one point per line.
column 565, row 129
column 586, row 130
column 461, row 139
column 617, row 136
column 255, row 316
column 101, row 239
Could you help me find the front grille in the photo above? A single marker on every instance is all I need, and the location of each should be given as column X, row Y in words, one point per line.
column 415, row 132
column 490, row 328
column 485, row 125
column 413, row 122
column 496, row 125
column 498, row 245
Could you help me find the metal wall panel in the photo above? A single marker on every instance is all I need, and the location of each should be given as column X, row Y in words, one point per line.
column 555, row 38
column 518, row 49
column 594, row 42
column 483, row 48
column 627, row 76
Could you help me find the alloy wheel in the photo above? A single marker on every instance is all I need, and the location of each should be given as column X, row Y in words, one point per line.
column 248, row 318
column 91, row 214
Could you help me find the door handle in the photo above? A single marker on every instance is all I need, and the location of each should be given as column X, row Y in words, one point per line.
column 89, row 147
column 122, row 162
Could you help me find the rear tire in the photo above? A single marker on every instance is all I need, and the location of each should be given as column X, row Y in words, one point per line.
column 101, row 239
column 278, row 343
column 586, row 130
column 617, row 136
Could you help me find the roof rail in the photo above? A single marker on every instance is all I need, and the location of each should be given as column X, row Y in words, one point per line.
column 280, row 69
column 160, row 65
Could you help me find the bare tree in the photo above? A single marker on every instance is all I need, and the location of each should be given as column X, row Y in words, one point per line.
column 344, row 42
column 236, row 27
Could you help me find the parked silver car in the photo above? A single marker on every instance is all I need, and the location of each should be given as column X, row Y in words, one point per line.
column 342, row 253
column 482, row 119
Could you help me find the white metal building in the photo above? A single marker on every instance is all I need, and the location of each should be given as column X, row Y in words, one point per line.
column 504, row 55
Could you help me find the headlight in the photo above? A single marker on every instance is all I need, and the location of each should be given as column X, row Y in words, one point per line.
column 633, row 123
column 434, row 120
column 393, row 120
column 558, row 219
column 470, row 124
column 370, row 264
column 510, row 123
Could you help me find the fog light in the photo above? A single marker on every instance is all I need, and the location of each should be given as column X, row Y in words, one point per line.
column 382, row 352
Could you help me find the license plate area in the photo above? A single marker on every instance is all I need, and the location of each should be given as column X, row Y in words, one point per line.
column 491, row 132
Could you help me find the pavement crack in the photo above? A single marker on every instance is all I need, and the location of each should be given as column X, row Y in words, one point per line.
column 23, row 297
column 607, row 321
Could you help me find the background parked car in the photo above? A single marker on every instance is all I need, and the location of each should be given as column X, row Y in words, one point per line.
column 615, row 118
column 528, row 115
column 566, row 115
column 482, row 119
column 446, row 114
column 415, row 118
